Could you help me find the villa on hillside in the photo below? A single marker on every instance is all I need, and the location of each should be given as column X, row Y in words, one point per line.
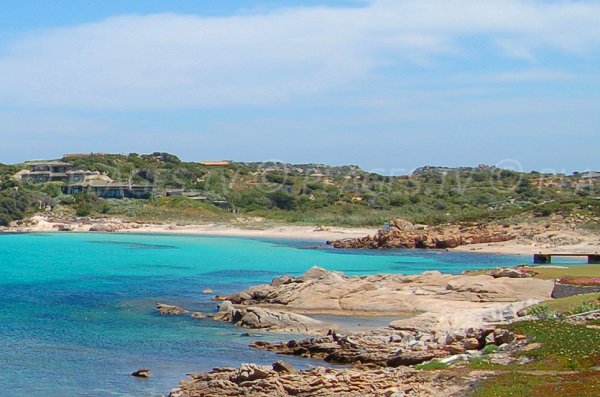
column 107, row 188
column 79, row 181
column 47, row 171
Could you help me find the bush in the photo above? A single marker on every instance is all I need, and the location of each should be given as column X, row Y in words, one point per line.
column 283, row 200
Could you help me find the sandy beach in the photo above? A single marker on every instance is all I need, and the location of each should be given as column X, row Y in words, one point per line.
column 284, row 232
column 535, row 240
column 40, row 224
column 555, row 241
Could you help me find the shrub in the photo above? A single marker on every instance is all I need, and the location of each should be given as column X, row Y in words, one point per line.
column 283, row 200
column 542, row 312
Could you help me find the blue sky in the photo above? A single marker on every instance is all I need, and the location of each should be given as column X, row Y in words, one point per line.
column 389, row 85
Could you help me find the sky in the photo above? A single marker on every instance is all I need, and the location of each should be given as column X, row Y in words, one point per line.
column 389, row 85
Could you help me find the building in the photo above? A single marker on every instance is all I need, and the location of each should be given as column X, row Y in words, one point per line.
column 106, row 188
column 590, row 175
column 48, row 171
column 222, row 163
column 79, row 181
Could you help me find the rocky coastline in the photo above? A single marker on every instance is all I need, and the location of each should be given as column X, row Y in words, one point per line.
column 403, row 234
column 453, row 318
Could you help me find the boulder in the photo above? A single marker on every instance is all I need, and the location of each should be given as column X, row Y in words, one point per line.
column 141, row 373
column 276, row 282
column 227, row 312
column 471, row 344
column 502, row 336
column 510, row 273
column 260, row 318
column 170, row 310
column 454, row 348
column 283, row 367
column 401, row 225
column 410, row 358
column 251, row 372
column 105, row 227
column 314, row 273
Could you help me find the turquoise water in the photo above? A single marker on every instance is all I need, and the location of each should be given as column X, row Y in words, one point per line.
column 77, row 310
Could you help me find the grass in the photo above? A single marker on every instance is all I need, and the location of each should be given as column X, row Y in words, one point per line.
column 432, row 366
column 565, row 346
column 574, row 271
column 568, row 305
column 489, row 349
column 515, row 384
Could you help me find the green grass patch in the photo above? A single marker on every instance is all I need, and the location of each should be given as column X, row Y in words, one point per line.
column 489, row 349
column 565, row 346
column 568, row 305
column 432, row 366
column 484, row 364
column 574, row 271
column 515, row 384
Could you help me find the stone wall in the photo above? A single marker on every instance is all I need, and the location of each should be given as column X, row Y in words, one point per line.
column 564, row 290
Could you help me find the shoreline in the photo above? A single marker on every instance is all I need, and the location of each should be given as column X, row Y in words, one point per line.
column 555, row 241
column 39, row 224
column 453, row 318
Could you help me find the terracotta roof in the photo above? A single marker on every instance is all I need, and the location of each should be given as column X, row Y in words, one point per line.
column 221, row 163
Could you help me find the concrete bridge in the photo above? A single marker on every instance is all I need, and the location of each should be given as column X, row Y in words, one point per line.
column 547, row 258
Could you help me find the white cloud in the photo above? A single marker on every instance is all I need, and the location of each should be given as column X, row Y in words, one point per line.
column 187, row 61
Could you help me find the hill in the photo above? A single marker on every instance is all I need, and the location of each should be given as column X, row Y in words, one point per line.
column 314, row 194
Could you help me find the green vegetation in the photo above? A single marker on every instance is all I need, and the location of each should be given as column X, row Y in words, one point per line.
column 565, row 306
column 432, row 365
column 565, row 363
column 516, row 384
column 565, row 346
column 489, row 349
column 574, row 271
column 322, row 195
column 18, row 201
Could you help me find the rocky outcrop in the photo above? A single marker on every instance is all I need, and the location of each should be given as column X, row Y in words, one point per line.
column 262, row 381
column 170, row 310
column 451, row 299
column 141, row 373
column 106, row 227
column 402, row 234
column 265, row 319
column 521, row 272
column 389, row 347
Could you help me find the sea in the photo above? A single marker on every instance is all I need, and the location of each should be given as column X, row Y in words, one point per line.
column 77, row 310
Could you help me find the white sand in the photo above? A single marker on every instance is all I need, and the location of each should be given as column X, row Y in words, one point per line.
column 555, row 241
column 40, row 224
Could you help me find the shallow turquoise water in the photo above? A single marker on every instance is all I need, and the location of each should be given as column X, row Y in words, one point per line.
column 77, row 310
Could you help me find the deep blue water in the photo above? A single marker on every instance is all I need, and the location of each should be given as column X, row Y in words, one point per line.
column 77, row 310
